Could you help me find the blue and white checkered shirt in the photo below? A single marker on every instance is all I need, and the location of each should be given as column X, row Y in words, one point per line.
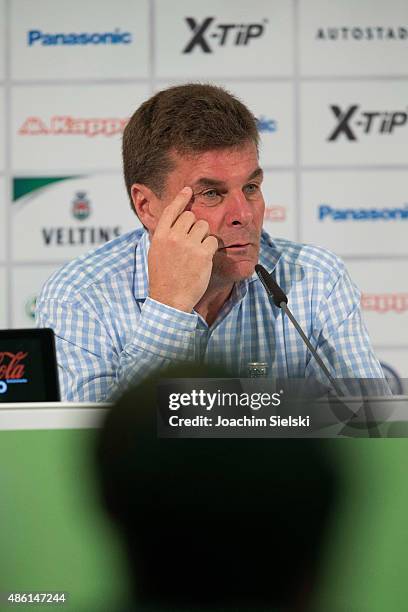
column 110, row 333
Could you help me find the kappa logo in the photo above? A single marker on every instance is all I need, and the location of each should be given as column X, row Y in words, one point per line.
column 75, row 126
column 352, row 122
column 236, row 34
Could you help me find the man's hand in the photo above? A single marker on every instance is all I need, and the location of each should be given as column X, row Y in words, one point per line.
column 180, row 256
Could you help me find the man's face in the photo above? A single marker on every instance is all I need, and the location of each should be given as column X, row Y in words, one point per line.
column 227, row 193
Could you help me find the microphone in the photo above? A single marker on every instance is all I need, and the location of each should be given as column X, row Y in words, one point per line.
column 280, row 299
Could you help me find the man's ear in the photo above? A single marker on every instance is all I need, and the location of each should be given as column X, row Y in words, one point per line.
column 145, row 203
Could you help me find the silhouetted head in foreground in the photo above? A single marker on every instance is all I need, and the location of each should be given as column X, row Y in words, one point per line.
column 216, row 523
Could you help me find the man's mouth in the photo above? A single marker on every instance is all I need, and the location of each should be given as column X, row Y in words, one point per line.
column 235, row 245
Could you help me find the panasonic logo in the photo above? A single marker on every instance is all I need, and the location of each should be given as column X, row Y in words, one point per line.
column 362, row 214
column 37, row 37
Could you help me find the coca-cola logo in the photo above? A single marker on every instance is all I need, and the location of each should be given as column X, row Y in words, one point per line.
column 11, row 366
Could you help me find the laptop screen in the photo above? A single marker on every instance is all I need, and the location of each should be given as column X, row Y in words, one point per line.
column 28, row 366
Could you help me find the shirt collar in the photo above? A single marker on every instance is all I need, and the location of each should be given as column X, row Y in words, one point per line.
column 140, row 276
column 268, row 257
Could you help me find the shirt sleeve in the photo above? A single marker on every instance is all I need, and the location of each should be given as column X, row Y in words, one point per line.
column 341, row 336
column 92, row 367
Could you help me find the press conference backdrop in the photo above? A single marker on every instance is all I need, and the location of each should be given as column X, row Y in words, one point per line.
column 327, row 80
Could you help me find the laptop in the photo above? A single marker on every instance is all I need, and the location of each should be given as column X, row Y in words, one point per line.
column 28, row 366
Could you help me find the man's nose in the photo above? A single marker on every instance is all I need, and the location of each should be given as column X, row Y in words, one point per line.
column 239, row 210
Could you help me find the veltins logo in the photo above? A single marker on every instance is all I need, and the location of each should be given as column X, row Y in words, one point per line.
column 37, row 38
column 327, row 212
column 364, row 33
column 63, row 125
column 383, row 303
column 354, row 123
column 81, row 207
column 210, row 31
column 12, row 369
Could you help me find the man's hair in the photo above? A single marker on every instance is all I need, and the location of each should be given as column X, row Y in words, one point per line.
column 186, row 119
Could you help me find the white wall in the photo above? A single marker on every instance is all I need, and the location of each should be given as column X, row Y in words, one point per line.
column 327, row 78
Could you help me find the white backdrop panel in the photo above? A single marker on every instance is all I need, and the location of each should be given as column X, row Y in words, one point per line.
column 356, row 213
column 278, row 191
column 2, row 38
column 3, row 204
column 220, row 39
column 395, row 366
column 2, row 129
column 272, row 104
column 68, row 217
column 384, row 301
column 353, row 122
column 81, row 51
column 367, row 37
column 77, row 127
column 27, row 284
column 3, row 298
column 342, row 144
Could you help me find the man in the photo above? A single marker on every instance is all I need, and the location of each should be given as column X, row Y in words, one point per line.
column 184, row 288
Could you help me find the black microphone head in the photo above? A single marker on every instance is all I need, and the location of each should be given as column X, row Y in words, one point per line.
column 271, row 286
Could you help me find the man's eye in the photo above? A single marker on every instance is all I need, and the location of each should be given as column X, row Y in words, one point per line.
column 209, row 197
column 251, row 189
column 211, row 194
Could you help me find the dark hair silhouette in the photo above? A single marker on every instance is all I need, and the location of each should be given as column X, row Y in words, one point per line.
column 213, row 522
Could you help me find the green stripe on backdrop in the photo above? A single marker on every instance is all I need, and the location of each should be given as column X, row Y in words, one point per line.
column 24, row 185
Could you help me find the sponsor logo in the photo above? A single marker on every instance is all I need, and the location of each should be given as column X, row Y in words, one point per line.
column 325, row 211
column 384, row 302
column 393, row 378
column 79, row 236
column 81, row 207
column 12, row 370
column 29, row 307
column 46, row 39
column 352, row 122
column 275, row 213
column 362, row 33
column 76, row 126
column 266, row 125
column 221, row 34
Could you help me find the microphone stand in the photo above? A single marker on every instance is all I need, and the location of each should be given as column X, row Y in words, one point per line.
column 342, row 411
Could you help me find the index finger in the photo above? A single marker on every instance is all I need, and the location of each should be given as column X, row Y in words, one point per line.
column 171, row 213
